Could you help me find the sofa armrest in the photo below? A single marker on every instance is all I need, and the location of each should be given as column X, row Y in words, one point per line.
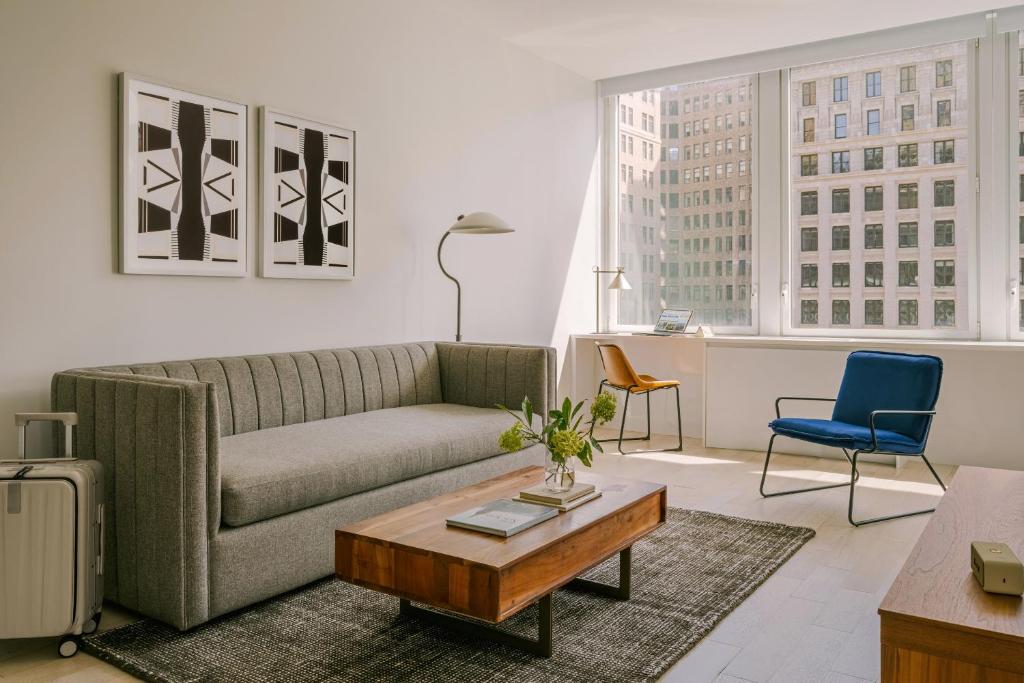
column 485, row 375
column 158, row 439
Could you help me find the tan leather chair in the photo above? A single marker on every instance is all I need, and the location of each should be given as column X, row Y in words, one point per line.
column 619, row 374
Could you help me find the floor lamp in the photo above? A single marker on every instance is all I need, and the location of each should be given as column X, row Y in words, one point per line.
column 478, row 223
column 618, row 282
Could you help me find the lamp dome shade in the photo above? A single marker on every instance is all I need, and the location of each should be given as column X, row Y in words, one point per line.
column 619, row 282
column 480, row 223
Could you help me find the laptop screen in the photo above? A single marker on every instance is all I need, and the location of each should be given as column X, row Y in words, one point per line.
column 673, row 320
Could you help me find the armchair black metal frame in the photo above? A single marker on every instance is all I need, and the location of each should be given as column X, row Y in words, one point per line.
column 622, row 427
column 854, row 473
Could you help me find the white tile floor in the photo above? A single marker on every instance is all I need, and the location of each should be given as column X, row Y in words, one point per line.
column 814, row 620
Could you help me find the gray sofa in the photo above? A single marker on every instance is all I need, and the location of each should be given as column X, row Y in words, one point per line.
column 226, row 477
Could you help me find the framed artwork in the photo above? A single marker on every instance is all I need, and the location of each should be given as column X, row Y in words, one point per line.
column 307, row 217
column 183, row 181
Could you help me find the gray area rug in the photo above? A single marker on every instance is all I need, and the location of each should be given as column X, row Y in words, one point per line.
column 687, row 576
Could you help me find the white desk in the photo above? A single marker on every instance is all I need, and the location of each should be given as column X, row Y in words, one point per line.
column 679, row 357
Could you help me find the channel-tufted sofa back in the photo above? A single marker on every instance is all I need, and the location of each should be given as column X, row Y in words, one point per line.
column 263, row 391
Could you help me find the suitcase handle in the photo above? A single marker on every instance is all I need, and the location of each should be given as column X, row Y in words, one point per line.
column 21, row 421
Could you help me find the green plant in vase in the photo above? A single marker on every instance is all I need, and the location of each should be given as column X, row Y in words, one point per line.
column 565, row 435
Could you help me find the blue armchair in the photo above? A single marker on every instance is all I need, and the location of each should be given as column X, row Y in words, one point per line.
column 885, row 405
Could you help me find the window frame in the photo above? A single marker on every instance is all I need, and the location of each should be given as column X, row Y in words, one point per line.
column 771, row 296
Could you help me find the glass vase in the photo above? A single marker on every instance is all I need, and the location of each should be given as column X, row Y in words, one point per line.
column 560, row 476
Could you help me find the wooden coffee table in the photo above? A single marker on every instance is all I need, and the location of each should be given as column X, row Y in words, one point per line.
column 412, row 554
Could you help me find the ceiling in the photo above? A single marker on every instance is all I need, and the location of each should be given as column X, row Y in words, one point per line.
column 604, row 38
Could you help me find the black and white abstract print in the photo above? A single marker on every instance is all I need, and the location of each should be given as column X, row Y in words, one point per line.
column 183, row 182
column 308, row 188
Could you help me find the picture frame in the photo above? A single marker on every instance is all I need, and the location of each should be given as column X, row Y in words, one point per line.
column 307, row 229
column 183, row 181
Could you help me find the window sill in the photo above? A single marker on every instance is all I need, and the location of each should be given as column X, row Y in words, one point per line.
column 820, row 343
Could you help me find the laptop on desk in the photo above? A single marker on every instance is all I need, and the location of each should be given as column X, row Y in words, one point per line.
column 672, row 321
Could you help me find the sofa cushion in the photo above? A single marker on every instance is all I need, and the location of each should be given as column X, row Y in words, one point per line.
column 274, row 471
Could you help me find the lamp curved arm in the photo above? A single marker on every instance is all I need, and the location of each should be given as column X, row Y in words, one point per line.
column 458, row 289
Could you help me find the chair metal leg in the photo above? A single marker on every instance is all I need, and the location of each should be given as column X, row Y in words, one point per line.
column 626, row 438
column 885, row 518
column 764, row 475
column 679, row 420
column 622, row 427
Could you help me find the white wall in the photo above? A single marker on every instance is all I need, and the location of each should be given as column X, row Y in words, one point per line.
column 729, row 387
column 977, row 417
column 449, row 121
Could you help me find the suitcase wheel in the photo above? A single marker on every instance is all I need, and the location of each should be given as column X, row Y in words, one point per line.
column 90, row 626
column 68, row 646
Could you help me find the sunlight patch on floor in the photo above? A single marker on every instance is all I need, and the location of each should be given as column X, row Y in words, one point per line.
column 864, row 481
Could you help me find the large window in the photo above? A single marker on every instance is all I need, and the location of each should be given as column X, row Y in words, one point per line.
column 699, row 199
column 923, row 126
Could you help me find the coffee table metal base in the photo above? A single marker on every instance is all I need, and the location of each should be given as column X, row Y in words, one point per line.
column 540, row 646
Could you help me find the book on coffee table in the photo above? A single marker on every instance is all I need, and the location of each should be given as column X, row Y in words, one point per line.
column 503, row 517
column 542, row 494
column 596, row 493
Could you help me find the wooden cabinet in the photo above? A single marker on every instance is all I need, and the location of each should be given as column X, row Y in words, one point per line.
column 938, row 626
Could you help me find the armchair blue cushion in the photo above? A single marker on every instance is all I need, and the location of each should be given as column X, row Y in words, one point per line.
column 875, row 380
column 843, row 435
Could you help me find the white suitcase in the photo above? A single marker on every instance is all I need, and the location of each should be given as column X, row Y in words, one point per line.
column 51, row 542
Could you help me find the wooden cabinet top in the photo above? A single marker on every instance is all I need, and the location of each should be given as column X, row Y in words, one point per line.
column 936, row 584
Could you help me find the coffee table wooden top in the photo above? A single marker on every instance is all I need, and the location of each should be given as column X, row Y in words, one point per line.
column 412, row 553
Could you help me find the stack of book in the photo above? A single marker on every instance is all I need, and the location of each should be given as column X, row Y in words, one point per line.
column 508, row 516
column 578, row 495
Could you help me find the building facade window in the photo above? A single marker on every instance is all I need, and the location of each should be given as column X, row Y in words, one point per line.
column 809, row 203
column 943, row 73
column 873, row 158
column 943, row 151
column 809, row 93
column 808, row 165
column 907, row 234
column 907, row 155
column 809, row 276
column 841, row 200
column 873, row 312
column 840, row 89
column 945, row 194
column 808, row 128
column 907, row 117
column 873, row 84
column 944, row 234
column 945, row 273
column 945, row 313
column 874, row 122
column 873, row 198
column 809, row 239
column 840, row 311
column 908, row 78
column 907, row 196
column 840, row 274
column 841, row 162
column 808, row 312
column 840, row 237
column 873, row 274
column 907, row 275
column 943, row 113
column 840, row 127
column 874, row 237
column 908, row 312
